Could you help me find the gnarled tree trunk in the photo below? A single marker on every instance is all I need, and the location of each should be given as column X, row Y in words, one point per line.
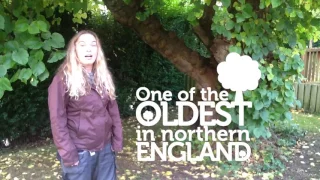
column 202, row 70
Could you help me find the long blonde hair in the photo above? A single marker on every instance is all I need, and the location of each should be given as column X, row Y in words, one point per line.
column 75, row 76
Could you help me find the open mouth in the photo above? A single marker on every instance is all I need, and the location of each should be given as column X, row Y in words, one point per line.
column 88, row 56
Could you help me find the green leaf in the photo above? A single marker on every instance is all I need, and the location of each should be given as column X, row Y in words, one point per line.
column 264, row 115
column 270, row 77
column 32, row 61
column 21, row 25
column 34, row 81
column 229, row 25
column 262, row 92
column 257, row 132
column 1, row 22
column 282, row 57
column 300, row 14
column 49, row 11
column 236, row 49
column 276, row 3
column 280, row 25
column 34, row 43
column 271, row 46
column 298, row 103
column 77, row 6
column 279, row 99
column 25, row 74
column 292, row 41
column 247, row 11
column 226, row 3
column 57, row 40
column 42, row 26
column 5, row 84
column 33, row 28
column 55, row 56
column 6, row 60
column 289, row 93
column 287, row 85
column 261, row 5
column 47, row 45
column 39, row 68
column 3, row 71
column 273, row 94
column 8, row 25
column 39, row 55
column 15, row 76
column 288, row 115
column 315, row 22
column 258, row 105
column 11, row 45
column 46, row 35
column 20, row 56
column 240, row 18
column 44, row 75
column 17, row 12
column 256, row 114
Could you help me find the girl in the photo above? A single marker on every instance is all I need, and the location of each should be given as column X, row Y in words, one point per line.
column 84, row 115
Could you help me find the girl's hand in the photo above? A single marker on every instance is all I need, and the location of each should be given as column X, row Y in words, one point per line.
column 76, row 164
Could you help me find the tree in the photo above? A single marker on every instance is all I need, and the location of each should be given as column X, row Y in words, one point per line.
column 274, row 32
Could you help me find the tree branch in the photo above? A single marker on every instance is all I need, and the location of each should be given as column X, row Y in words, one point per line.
column 217, row 46
column 203, row 30
column 166, row 43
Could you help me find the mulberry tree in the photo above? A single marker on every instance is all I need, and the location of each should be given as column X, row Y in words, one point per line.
column 196, row 35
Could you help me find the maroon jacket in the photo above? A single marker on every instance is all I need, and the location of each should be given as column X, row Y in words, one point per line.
column 88, row 123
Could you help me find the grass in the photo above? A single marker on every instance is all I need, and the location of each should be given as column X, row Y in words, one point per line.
column 308, row 122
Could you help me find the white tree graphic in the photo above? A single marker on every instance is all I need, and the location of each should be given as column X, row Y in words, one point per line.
column 239, row 73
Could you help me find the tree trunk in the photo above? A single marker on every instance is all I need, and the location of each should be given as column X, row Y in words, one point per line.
column 202, row 70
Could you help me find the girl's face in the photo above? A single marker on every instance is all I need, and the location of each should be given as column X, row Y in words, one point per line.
column 87, row 50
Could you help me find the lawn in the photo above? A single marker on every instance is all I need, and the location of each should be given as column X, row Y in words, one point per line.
column 308, row 122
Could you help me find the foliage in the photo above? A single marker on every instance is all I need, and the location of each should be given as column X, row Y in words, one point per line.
column 272, row 32
column 23, row 113
column 27, row 34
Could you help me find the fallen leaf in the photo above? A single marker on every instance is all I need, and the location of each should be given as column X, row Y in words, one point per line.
column 168, row 173
column 312, row 164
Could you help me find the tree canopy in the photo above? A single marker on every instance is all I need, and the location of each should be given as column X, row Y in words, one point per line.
column 273, row 32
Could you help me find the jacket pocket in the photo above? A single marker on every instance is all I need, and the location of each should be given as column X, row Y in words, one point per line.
column 80, row 167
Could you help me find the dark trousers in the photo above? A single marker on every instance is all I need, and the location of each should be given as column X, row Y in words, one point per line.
column 98, row 165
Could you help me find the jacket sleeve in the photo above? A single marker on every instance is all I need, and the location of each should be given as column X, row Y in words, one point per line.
column 117, row 137
column 57, row 101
